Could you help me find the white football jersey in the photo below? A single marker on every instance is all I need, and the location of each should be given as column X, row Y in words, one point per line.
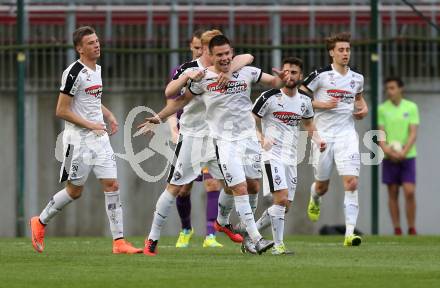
column 192, row 121
column 280, row 117
column 327, row 83
column 228, row 109
column 85, row 86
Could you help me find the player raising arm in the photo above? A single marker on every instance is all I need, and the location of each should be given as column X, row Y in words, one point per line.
column 278, row 113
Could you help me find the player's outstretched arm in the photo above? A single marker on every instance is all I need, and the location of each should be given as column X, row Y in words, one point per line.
column 240, row 61
column 111, row 119
column 175, row 86
column 65, row 112
column 277, row 81
column 361, row 106
column 172, row 123
column 310, row 127
column 171, row 108
column 175, row 105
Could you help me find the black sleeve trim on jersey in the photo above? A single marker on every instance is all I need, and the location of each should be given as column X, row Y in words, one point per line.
column 307, row 117
column 183, row 67
column 315, row 74
column 305, row 93
column 355, row 70
column 71, row 78
column 259, row 77
column 263, row 99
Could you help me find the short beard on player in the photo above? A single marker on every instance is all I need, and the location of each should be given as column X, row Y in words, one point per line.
column 294, row 85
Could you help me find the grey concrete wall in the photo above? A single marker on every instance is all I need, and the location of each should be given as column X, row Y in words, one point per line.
column 7, row 170
column 86, row 216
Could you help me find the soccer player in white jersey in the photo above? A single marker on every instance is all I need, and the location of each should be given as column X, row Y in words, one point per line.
column 229, row 116
column 338, row 100
column 86, row 142
column 212, row 185
column 195, row 148
column 279, row 112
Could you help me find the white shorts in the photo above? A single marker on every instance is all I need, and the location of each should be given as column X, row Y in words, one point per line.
column 278, row 176
column 239, row 160
column 191, row 155
column 86, row 154
column 344, row 152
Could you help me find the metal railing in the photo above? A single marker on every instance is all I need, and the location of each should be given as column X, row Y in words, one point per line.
column 138, row 53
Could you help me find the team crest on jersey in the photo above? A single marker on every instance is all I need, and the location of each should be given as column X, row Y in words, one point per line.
column 177, row 176
column 88, row 77
column 231, row 88
column 289, row 118
column 95, row 91
column 303, row 108
column 277, row 179
column 228, row 177
column 342, row 95
column 332, row 78
column 352, row 84
column 235, row 74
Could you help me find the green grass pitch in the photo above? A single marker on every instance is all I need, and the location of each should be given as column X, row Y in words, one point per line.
column 318, row 262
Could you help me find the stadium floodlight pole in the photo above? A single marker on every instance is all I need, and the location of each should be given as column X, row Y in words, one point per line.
column 374, row 81
column 20, row 118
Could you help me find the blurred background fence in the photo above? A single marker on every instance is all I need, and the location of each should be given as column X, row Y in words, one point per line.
column 143, row 40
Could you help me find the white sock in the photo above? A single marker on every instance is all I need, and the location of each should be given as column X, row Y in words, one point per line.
column 253, row 201
column 113, row 208
column 351, row 209
column 247, row 217
column 55, row 205
column 264, row 221
column 163, row 207
column 225, row 205
column 315, row 196
column 277, row 213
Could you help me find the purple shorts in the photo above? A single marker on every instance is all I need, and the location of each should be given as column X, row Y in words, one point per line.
column 400, row 172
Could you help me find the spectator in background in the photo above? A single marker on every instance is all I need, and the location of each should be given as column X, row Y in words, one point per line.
column 399, row 119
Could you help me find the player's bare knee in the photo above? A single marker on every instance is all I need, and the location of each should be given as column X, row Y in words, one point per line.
column 173, row 189
column 253, row 186
column 110, row 185
column 240, row 189
column 184, row 192
column 410, row 194
column 351, row 184
column 114, row 186
column 321, row 187
column 228, row 190
column 74, row 191
column 212, row 185
column 282, row 201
